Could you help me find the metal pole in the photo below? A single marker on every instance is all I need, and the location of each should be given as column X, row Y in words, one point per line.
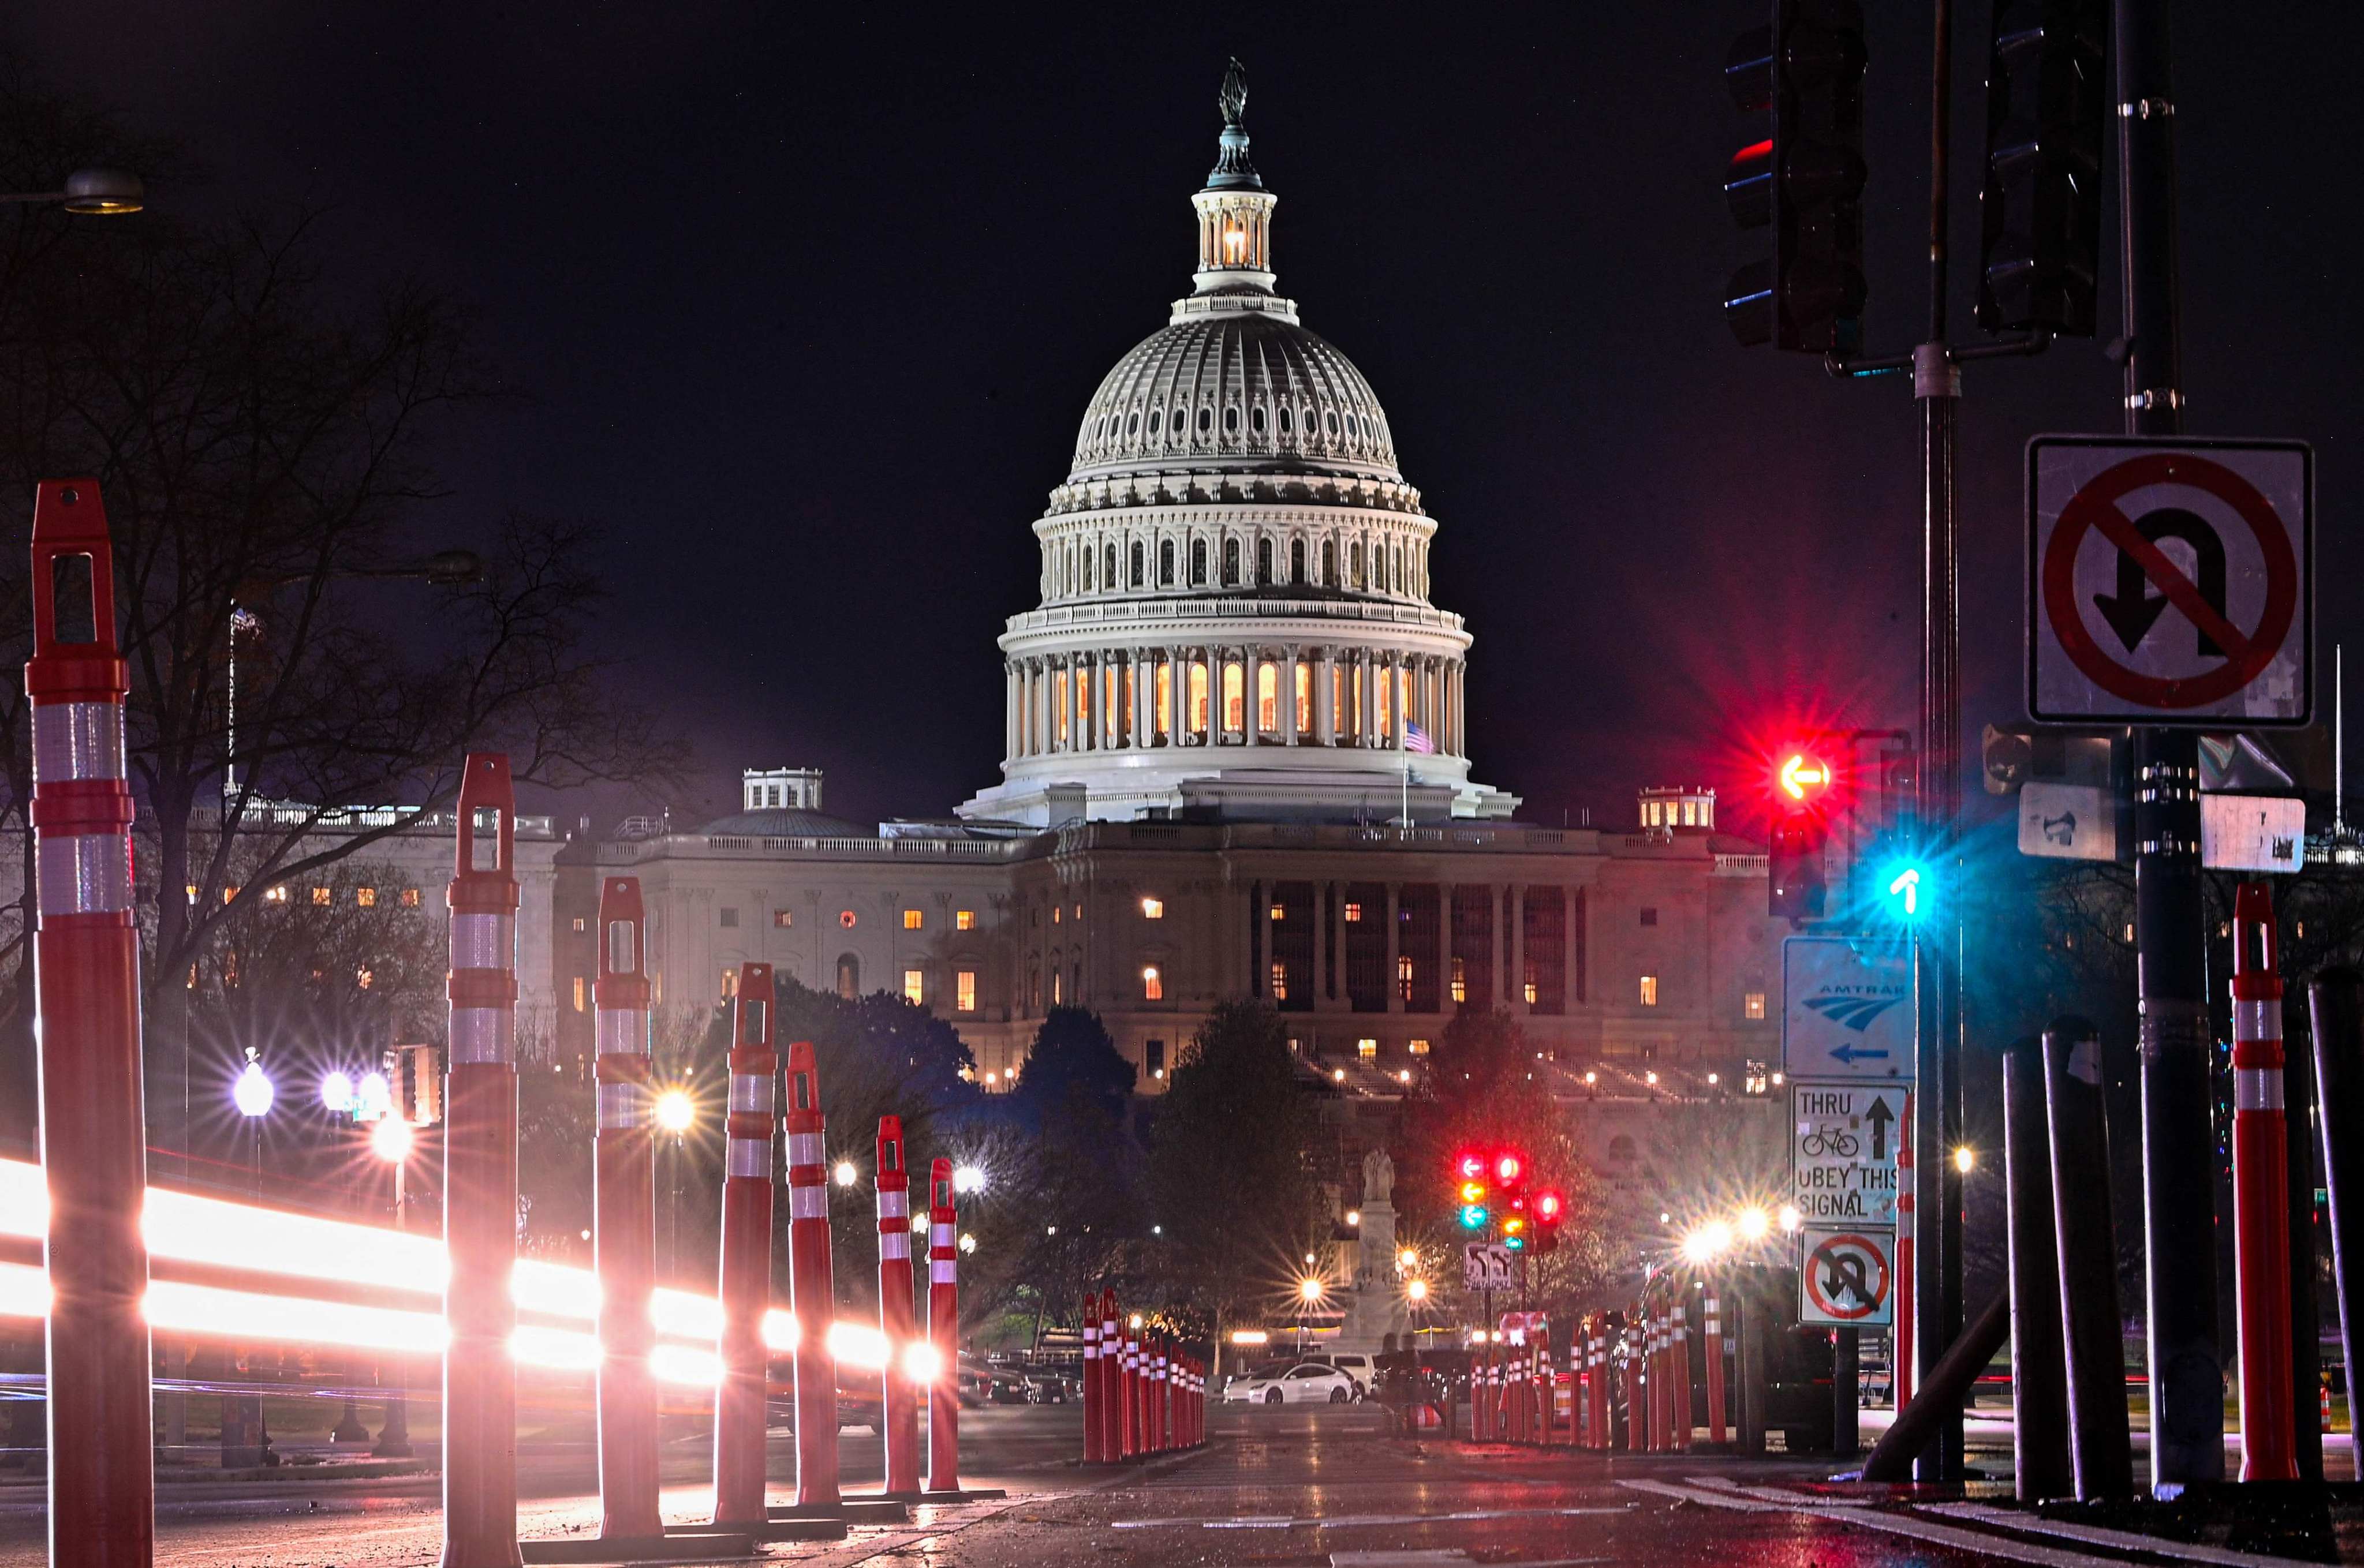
column 623, row 1221
column 2099, row 1451
column 480, row 1184
column 2039, row 1375
column 2187, row 1412
column 1846, row 1373
column 102, row 1491
column 2336, row 1011
column 394, row 1437
column 744, row 1287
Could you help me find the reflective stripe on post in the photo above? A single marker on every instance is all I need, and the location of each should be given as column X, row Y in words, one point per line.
column 2261, row 1195
column 480, row 1179
column 900, row 1391
column 943, row 1328
column 745, row 1287
column 624, row 1222
column 812, row 1285
column 101, row 1479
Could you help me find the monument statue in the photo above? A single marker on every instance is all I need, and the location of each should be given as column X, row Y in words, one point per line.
column 1378, row 1178
column 1234, row 98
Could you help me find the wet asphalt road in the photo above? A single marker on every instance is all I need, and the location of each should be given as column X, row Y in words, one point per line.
column 1306, row 1488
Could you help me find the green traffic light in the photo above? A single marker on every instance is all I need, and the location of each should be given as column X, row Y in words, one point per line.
column 1905, row 889
column 1473, row 1216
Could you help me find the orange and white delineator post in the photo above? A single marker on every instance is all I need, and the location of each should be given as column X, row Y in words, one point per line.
column 812, row 1285
column 2261, row 1195
column 1903, row 1374
column 944, row 1329
column 744, row 1290
column 480, row 1179
column 1711, row 1306
column 624, row 1221
column 1111, row 1382
column 1091, row 1378
column 1129, row 1392
column 1161, row 1395
column 1637, row 1415
column 1679, row 1386
column 102, row 1495
column 900, row 1392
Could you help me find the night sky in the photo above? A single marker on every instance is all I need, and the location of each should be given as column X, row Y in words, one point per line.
column 806, row 309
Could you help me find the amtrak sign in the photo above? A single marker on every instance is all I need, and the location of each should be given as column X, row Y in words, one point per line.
column 1846, row 1009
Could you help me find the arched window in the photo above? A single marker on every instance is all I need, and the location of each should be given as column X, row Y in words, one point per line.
column 1234, row 697
column 1285, row 421
column 1138, row 561
column 1133, row 423
column 1088, row 569
column 1620, row 1150
column 1165, row 563
column 1329, row 563
column 1263, row 564
column 1108, row 565
column 1255, row 420
column 1354, row 563
column 1379, row 568
column 1330, row 421
column 849, row 976
column 1231, row 421
column 1231, row 562
column 1206, row 419
column 1198, row 563
column 1268, row 697
column 1297, row 562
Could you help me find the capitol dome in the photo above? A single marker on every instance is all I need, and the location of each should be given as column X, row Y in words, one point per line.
column 1234, row 618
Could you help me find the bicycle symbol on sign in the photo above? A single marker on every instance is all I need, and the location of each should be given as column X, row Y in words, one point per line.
column 1836, row 1144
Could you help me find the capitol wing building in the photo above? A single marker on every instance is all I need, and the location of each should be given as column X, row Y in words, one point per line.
column 1235, row 764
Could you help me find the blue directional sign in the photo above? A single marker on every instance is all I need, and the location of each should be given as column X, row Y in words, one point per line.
column 1846, row 1009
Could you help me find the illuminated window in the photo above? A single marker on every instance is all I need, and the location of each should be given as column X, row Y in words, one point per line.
column 1649, row 990
column 1304, row 690
column 1057, row 913
column 846, row 919
column 364, row 977
column 911, row 920
column 1752, row 1006
column 1058, row 988
column 193, row 894
column 783, row 919
column 1353, row 912
column 578, row 993
column 1280, row 980
column 1269, row 698
column 1198, row 697
column 1460, row 982
column 1154, row 1053
column 914, row 987
column 1649, row 917
column 963, row 919
column 1418, row 1048
column 1059, row 703
column 728, row 918
column 1403, row 976
column 1366, row 1047
column 410, row 898
column 1234, row 701
column 274, row 896
column 366, row 897
column 1529, row 988
column 849, row 976
column 1163, row 720
column 1384, row 721
column 965, row 990
column 1153, row 984
column 729, row 982
column 1080, row 911
column 1280, row 911
column 1152, row 908
column 579, row 923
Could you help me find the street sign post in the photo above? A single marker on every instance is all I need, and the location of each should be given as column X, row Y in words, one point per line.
column 2122, row 531
column 1846, row 1009
column 2252, row 832
column 1485, row 1266
column 1844, row 1139
column 2069, row 822
column 1849, row 1276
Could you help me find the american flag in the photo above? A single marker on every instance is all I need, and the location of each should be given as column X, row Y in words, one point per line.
column 1418, row 739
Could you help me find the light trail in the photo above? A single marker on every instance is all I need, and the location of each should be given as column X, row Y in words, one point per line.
column 249, row 1238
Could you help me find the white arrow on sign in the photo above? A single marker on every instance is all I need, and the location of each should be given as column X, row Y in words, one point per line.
column 2068, row 822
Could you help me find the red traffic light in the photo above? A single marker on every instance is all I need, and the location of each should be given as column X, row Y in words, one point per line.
column 1547, row 1206
column 1509, row 1168
column 1469, row 1165
column 1802, row 775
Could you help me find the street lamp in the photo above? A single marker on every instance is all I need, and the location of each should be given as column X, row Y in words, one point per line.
column 845, row 1173
column 252, row 1093
column 968, row 1179
column 675, row 1111
column 1416, row 1291
column 103, row 193
column 390, row 1140
column 1753, row 1224
column 968, row 1241
column 336, row 1093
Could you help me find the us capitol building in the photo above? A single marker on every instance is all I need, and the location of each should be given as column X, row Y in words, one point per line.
column 1235, row 763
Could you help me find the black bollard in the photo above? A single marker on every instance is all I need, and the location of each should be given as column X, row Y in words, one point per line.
column 1846, row 1378
column 1749, row 1304
column 2039, row 1379
column 2336, row 1004
column 2101, row 1450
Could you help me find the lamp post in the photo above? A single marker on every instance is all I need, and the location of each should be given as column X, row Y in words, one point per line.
column 390, row 1140
column 252, row 1093
column 676, row 1114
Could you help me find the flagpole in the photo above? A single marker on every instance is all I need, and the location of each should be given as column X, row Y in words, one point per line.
column 1403, row 754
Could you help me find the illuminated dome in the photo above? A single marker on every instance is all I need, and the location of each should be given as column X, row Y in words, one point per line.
column 1234, row 618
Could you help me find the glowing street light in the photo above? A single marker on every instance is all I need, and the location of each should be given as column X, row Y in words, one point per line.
column 1407, row 1258
column 1308, row 1290
column 390, row 1140
column 1354, row 1217
column 1790, row 1218
column 845, row 1173
column 968, row 1179
column 675, row 1111
column 968, row 1241
column 1416, row 1291
column 1753, row 1224
column 252, row 1093
column 336, row 1093
column 1707, row 1243
column 1965, row 1158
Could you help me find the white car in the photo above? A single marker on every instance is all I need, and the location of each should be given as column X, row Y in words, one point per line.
column 1309, row 1383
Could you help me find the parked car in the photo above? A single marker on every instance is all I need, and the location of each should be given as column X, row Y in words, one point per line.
column 1354, row 1365
column 1052, row 1388
column 1307, row 1383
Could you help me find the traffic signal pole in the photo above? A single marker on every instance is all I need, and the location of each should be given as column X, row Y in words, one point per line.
column 2187, row 1412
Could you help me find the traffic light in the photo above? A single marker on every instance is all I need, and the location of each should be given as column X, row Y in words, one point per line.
column 1473, row 1216
column 1805, row 782
column 1804, row 180
column 2040, row 248
column 1470, row 1169
column 1903, row 886
column 1509, row 1169
column 1514, row 1230
column 1550, row 1209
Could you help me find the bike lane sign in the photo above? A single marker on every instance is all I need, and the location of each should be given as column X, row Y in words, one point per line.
column 1844, row 1141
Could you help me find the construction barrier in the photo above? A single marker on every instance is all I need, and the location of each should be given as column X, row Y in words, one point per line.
column 944, row 1329
column 2261, row 1195
column 102, row 1492
column 813, row 1291
column 899, row 1385
column 624, row 1222
column 745, row 1285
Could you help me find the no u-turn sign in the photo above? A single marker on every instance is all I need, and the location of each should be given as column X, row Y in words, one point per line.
column 2167, row 581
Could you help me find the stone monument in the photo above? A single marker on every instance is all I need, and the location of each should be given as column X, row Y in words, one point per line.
column 1375, row 1303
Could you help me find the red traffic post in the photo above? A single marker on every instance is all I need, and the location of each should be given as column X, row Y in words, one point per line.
column 1679, row 1386
column 812, row 1285
column 900, row 1392
column 944, row 1329
column 745, row 1289
column 102, row 1496
column 1091, row 1378
column 624, row 1221
column 1638, row 1420
column 480, row 1177
column 2261, row 1193
column 1111, row 1380
column 1162, row 1395
column 1129, row 1393
column 1712, row 1312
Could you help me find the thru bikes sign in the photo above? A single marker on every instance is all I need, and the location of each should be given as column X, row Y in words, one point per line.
column 1843, row 1145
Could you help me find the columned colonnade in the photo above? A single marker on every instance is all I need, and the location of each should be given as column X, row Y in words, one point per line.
column 1201, row 695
